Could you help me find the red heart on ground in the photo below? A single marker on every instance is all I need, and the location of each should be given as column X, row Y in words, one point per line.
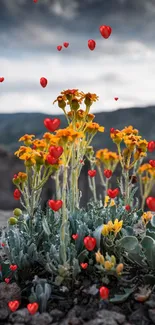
column 55, row 205
column 1, row 79
column 91, row 44
column 56, row 152
column 32, row 308
column 113, row 193
column 13, row 305
column 150, row 201
column 43, row 82
column 65, row 44
column 59, row 47
column 52, row 124
column 105, row 31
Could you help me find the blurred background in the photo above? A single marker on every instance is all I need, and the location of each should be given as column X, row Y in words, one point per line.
column 121, row 66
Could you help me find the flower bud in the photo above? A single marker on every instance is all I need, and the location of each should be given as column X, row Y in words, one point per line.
column 108, row 265
column 17, row 212
column 12, row 221
column 105, row 230
column 75, row 104
column 113, row 260
column 119, row 268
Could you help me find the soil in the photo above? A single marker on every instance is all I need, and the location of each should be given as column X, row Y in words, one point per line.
column 79, row 305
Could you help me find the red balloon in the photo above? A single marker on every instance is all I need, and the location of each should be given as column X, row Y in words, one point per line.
column 52, row 124
column 43, row 82
column 105, row 31
column 104, row 293
column 151, row 146
column 107, row 173
column 65, row 44
column 116, row 98
column 151, row 203
column 55, row 205
column 59, row 47
column 56, row 152
column 1, row 79
column 113, row 193
column 89, row 243
column 91, row 44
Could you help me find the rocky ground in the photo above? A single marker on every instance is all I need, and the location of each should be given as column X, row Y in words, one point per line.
column 4, row 216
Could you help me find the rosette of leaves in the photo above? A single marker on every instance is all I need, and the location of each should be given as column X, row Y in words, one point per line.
column 40, row 293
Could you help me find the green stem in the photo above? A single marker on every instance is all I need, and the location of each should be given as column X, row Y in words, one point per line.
column 64, row 216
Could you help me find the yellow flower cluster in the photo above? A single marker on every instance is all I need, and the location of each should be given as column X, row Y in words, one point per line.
column 109, row 263
column 106, row 201
column 111, row 227
column 110, row 159
column 146, row 217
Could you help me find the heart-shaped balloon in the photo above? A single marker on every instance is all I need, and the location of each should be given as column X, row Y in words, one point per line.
column 65, row 44
column 107, row 173
column 55, row 205
column 92, row 172
column 13, row 267
column 91, row 44
column 13, row 305
column 43, row 82
column 116, row 98
column 1, row 79
column 7, row 280
column 75, row 236
column 152, row 163
column 52, row 124
column 113, row 193
column 51, row 160
column 105, row 31
column 150, row 201
column 56, row 152
column 89, row 243
column 59, row 47
column 84, row 265
column 32, row 308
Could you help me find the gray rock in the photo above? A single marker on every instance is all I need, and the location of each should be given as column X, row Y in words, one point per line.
column 20, row 316
column 151, row 313
column 4, row 312
column 56, row 314
column 106, row 317
column 9, row 292
column 41, row 319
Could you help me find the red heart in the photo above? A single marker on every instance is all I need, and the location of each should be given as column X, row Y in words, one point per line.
column 75, row 236
column 17, row 194
column 51, row 160
column 1, row 79
column 59, row 47
column 152, row 163
column 107, row 173
column 7, row 280
column 43, row 82
column 65, row 44
column 55, row 205
column 113, row 193
column 92, row 172
column 151, row 146
column 13, row 305
column 151, row 203
column 32, row 308
column 116, row 98
column 13, row 267
column 84, row 265
column 104, row 293
column 56, row 152
column 52, row 124
column 89, row 243
column 105, row 31
column 91, row 44
column 35, row 1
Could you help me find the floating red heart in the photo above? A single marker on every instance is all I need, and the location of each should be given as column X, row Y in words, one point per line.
column 59, row 47
column 52, row 124
column 107, row 173
column 65, row 44
column 152, row 163
column 92, row 172
column 7, row 280
column 151, row 203
column 127, row 208
column 1, row 79
column 116, row 98
column 13, row 305
column 105, row 31
column 151, row 146
column 84, row 265
column 89, row 243
column 13, row 267
column 55, row 205
column 104, row 293
column 35, row 1
column 75, row 236
column 113, row 193
column 91, row 44
column 56, row 152
column 17, row 194
column 32, row 308
column 43, row 82
column 51, row 160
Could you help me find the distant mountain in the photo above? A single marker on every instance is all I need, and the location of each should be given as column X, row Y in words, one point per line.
column 13, row 126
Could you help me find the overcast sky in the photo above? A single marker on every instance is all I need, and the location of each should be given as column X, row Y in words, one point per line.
column 121, row 66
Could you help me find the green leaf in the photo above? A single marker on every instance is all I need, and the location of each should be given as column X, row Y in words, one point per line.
column 153, row 221
column 122, row 297
column 46, row 227
column 129, row 243
column 97, row 234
